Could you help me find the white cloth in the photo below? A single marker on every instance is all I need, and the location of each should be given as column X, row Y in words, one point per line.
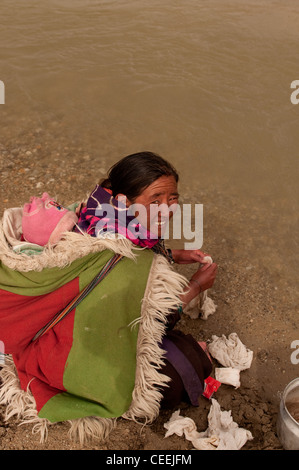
column 201, row 307
column 230, row 352
column 222, row 432
column 185, row 426
column 228, row 376
column 227, row 430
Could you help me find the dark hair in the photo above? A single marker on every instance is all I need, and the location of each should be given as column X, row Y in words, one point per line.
column 134, row 173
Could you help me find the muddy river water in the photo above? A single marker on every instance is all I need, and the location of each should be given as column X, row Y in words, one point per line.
column 206, row 84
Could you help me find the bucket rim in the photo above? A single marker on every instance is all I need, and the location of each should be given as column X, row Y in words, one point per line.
column 287, row 389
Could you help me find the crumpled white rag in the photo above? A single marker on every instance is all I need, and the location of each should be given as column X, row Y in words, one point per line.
column 201, row 306
column 228, row 376
column 230, row 352
column 222, row 432
column 185, row 426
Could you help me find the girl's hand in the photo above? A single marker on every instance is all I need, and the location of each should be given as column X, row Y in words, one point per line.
column 189, row 256
column 202, row 280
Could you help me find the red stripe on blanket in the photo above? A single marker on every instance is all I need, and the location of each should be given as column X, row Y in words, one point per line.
column 21, row 316
column 45, row 359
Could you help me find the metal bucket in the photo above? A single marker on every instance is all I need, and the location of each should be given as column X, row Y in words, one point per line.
column 287, row 422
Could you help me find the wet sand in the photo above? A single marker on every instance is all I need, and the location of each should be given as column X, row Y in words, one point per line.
column 253, row 297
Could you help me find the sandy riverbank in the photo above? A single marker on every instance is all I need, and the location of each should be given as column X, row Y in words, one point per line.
column 254, row 298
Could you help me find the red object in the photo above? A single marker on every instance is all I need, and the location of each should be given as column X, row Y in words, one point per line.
column 211, row 386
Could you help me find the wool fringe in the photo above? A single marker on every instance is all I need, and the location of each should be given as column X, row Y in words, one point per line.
column 91, row 428
column 19, row 403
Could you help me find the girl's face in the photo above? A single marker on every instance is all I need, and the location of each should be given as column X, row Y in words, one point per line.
column 157, row 204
